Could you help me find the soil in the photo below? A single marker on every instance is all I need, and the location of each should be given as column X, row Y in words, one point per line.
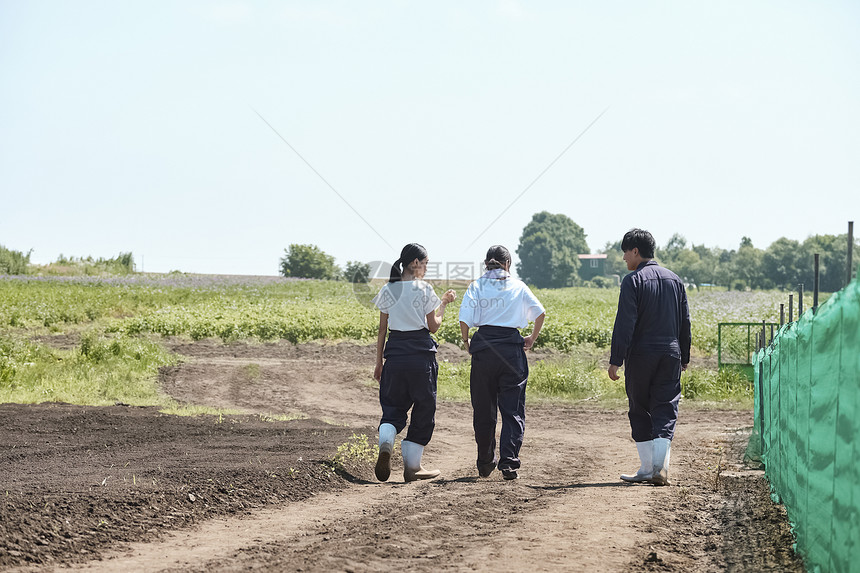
column 123, row 488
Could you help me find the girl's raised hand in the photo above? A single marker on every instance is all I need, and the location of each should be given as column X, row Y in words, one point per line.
column 449, row 296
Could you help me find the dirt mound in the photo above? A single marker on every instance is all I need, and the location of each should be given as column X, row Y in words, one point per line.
column 76, row 480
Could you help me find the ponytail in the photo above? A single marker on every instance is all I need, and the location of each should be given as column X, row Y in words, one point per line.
column 409, row 253
column 497, row 257
column 396, row 273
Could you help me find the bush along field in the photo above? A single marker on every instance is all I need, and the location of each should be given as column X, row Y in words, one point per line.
column 117, row 322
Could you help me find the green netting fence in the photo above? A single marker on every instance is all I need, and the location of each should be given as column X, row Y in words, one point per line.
column 807, row 428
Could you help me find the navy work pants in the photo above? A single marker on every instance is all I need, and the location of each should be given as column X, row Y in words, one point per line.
column 653, row 384
column 410, row 382
column 498, row 384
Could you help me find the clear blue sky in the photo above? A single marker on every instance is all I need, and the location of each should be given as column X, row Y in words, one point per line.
column 131, row 126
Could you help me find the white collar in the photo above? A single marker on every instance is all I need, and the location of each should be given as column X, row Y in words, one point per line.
column 497, row 274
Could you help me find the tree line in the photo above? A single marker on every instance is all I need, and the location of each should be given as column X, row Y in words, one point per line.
column 550, row 244
column 784, row 264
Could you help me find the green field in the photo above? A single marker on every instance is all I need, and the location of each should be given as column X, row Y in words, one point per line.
column 117, row 323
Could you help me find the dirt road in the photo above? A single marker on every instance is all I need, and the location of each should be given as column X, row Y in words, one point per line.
column 567, row 512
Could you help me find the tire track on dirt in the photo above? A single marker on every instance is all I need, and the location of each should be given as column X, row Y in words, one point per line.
column 567, row 503
column 568, row 510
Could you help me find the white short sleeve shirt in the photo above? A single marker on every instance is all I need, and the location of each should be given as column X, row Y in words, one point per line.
column 407, row 304
column 497, row 299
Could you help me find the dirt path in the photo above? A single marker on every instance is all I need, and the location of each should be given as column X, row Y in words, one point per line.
column 568, row 511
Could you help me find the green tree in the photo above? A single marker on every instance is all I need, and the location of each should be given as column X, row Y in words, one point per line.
column 549, row 249
column 308, row 261
column 615, row 264
column 356, row 272
column 677, row 244
column 684, row 262
column 13, row 262
column 779, row 263
column 747, row 267
column 710, row 268
column 832, row 270
column 723, row 273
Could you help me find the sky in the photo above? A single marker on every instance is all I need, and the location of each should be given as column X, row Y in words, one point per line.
column 207, row 137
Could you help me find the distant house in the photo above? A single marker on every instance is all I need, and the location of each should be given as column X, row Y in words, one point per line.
column 591, row 266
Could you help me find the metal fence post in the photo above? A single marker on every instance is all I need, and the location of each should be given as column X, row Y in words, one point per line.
column 761, row 406
column 781, row 314
column 815, row 288
column 790, row 308
column 850, row 251
column 799, row 300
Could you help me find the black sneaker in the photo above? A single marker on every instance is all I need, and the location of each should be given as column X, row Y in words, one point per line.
column 509, row 474
column 484, row 470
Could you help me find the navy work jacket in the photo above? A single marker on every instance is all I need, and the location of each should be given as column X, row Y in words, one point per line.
column 653, row 315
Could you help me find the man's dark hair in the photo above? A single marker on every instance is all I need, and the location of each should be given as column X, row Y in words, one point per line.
column 639, row 239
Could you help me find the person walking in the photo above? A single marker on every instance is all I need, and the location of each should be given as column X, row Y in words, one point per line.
column 499, row 305
column 409, row 311
column 651, row 338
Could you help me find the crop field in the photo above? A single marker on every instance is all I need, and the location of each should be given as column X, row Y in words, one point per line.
column 115, row 319
column 273, row 378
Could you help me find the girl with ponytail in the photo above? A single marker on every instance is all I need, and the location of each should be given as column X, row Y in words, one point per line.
column 499, row 305
column 409, row 311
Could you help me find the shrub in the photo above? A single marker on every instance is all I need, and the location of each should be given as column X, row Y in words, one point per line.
column 601, row 282
column 357, row 272
column 308, row 261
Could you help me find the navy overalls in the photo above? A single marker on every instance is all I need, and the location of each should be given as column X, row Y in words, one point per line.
column 498, row 380
column 408, row 380
column 652, row 337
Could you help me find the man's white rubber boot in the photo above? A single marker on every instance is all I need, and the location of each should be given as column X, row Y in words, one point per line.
column 662, row 451
column 412, row 469
column 646, row 460
column 386, row 446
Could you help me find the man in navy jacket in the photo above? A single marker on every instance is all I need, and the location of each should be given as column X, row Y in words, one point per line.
column 652, row 339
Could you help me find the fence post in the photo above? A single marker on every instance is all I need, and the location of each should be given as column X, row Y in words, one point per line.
column 763, row 335
column 790, row 308
column 719, row 346
column 781, row 314
column 815, row 288
column 761, row 406
column 850, row 251
column 799, row 300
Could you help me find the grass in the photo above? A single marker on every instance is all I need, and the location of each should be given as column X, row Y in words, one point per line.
column 101, row 371
column 717, row 386
column 117, row 359
column 357, row 451
column 573, row 380
column 566, row 379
